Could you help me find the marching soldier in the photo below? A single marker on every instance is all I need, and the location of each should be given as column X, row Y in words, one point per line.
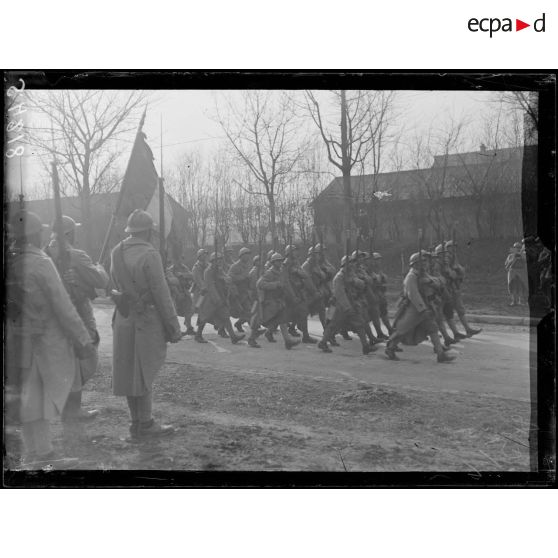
column 301, row 292
column 228, row 259
column 239, row 273
column 414, row 320
column 180, row 280
column 81, row 279
column 43, row 334
column 144, row 321
column 363, row 296
column 346, row 315
column 516, row 266
column 442, row 304
column 272, row 292
column 197, row 289
column 320, row 301
column 457, row 274
column 214, row 308
column 255, row 309
column 379, row 279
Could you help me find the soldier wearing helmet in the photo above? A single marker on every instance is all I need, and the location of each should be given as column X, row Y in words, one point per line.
column 197, row 290
column 43, row 333
column 319, row 302
column 272, row 301
column 180, row 279
column 143, row 326
column 241, row 303
column 300, row 293
column 346, row 315
column 455, row 277
column 379, row 287
column 415, row 320
column 81, row 279
column 215, row 306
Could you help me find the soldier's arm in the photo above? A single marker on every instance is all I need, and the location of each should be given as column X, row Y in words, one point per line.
column 340, row 294
column 93, row 275
column 267, row 282
column 211, row 288
column 155, row 276
column 63, row 308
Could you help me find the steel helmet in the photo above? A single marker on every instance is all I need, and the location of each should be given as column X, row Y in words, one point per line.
column 414, row 258
column 138, row 221
column 68, row 224
column 440, row 249
column 311, row 250
column 256, row 260
column 377, row 256
column 344, row 261
column 25, row 223
column 276, row 257
column 517, row 245
column 201, row 252
column 290, row 249
column 318, row 247
column 244, row 251
column 270, row 253
column 450, row 244
column 215, row 256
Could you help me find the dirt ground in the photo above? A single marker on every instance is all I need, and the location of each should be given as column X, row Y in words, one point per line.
column 228, row 419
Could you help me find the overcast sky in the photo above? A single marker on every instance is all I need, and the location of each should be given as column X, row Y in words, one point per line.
column 187, row 117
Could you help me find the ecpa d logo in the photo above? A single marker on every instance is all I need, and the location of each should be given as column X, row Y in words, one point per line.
column 492, row 25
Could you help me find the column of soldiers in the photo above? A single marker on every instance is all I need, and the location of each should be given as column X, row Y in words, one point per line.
column 52, row 339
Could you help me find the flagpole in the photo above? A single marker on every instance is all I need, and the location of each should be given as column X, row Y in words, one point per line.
column 120, row 196
column 162, row 206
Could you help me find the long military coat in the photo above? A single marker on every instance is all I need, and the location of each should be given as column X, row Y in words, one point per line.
column 272, row 293
column 198, row 284
column 411, row 320
column 241, row 302
column 214, row 308
column 516, row 266
column 139, row 340
column 41, row 335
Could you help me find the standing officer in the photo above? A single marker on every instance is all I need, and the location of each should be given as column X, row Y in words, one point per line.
column 457, row 274
column 516, row 266
column 239, row 274
column 144, row 321
column 81, row 279
column 414, row 320
column 43, row 334
column 272, row 293
column 214, row 308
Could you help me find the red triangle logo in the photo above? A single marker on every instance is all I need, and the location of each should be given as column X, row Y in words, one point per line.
column 519, row 25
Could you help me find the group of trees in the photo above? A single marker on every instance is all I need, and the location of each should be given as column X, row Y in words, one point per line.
column 280, row 150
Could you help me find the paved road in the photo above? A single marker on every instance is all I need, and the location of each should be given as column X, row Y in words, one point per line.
column 496, row 362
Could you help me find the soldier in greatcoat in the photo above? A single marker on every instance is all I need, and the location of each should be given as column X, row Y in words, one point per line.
column 180, row 279
column 516, row 266
column 457, row 275
column 379, row 279
column 197, row 289
column 272, row 304
column 301, row 291
column 215, row 308
column 347, row 315
column 318, row 304
column 144, row 321
column 239, row 274
column 43, row 334
column 415, row 320
column 255, row 309
column 81, row 280
column 363, row 295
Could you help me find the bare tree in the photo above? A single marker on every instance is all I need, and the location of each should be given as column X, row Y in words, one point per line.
column 263, row 135
column 79, row 128
column 364, row 122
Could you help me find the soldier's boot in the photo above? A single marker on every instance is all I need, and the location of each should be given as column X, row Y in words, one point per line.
column 323, row 346
column 73, row 412
column 306, row 338
column 363, row 341
column 444, row 331
column 292, row 330
column 199, row 337
column 345, row 335
column 391, row 346
column 470, row 331
column 190, row 330
column 290, row 342
column 238, row 325
column 269, row 336
column 234, row 337
column 372, row 340
column 151, row 429
column 439, row 349
column 456, row 333
column 222, row 332
column 252, row 341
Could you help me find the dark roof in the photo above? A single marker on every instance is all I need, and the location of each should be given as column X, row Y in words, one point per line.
column 499, row 170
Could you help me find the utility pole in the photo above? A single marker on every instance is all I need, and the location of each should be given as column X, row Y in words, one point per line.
column 346, row 169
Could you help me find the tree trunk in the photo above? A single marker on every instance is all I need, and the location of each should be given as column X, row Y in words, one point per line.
column 272, row 224
column 86, row 205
